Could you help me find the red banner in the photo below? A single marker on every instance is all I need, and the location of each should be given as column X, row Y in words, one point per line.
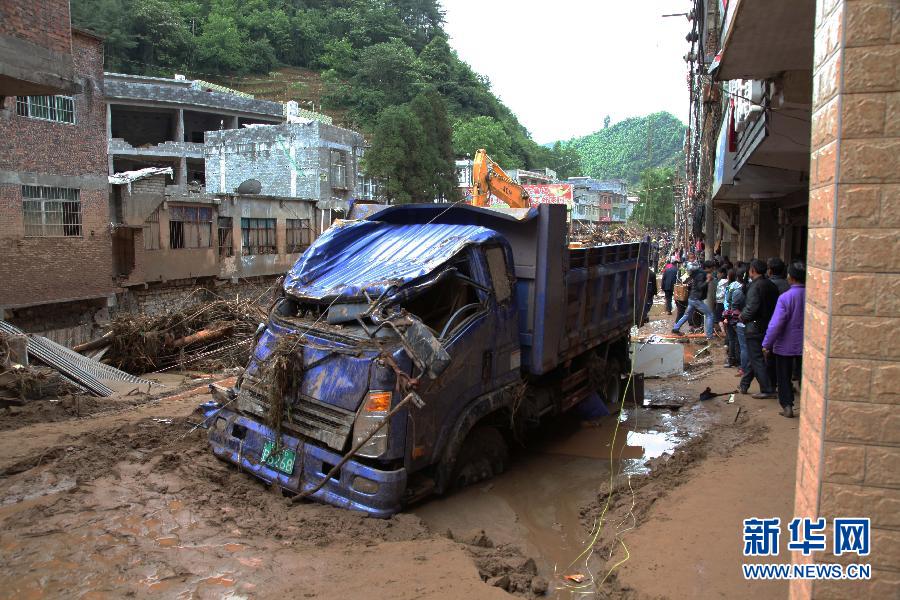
column 551, row 193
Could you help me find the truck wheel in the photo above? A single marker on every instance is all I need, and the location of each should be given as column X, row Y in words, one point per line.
column 483, row 455
column 612, row 390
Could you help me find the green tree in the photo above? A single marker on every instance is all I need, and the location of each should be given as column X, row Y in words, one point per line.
column 606, row 121
column 565, row 160
column 395, row 157
column 656, row 207
column 437, row 152
column 221, row 46
column 626, row 148
column 470, row 135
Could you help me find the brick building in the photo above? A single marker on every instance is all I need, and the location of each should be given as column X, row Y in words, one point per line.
column 54, row 216
column 802, row 115
column 36, row 53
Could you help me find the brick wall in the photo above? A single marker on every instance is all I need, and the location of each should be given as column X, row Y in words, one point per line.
column 849, row 451
column 37, row 146
column 42, row 22
column 38, row 152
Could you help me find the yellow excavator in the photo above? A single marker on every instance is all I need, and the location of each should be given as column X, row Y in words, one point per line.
column 488, row 178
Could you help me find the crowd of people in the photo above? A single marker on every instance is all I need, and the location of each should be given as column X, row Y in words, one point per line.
column 758, row 310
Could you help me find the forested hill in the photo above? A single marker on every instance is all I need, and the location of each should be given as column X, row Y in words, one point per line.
column 623, row 150
column 370, row 55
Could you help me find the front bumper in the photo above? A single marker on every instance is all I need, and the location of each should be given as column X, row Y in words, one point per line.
column 240, row 440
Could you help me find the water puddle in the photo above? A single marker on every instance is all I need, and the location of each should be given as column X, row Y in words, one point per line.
column 536, row 504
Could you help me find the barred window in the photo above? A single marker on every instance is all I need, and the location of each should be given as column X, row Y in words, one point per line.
column 51, row 211
column 258, row 236
column 151, row 232
column 298, row 235
column 226, row 241
column 338, row 169
column 190, row 227
column 49, row 108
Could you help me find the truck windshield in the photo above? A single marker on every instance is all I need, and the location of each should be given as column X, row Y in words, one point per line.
column 449, row 301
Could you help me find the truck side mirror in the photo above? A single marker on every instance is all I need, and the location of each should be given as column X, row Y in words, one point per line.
column 425, row 349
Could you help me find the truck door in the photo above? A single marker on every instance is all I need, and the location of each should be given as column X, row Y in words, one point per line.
column 478, row 332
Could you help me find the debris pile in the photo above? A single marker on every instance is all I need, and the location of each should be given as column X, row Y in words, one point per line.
column 20, row 384
column 208, row 335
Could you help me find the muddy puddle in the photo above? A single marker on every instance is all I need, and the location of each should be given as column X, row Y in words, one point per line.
column 536, row 504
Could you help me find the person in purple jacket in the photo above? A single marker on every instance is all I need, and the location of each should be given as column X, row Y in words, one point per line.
column 784, row 337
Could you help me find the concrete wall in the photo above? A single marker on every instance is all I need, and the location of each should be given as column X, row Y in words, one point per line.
column 168, row 264
column 848, row 461
column 157, row 91
column 38, row 270
column 290, row 160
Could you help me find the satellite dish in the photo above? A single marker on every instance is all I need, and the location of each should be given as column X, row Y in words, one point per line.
column 251, row 186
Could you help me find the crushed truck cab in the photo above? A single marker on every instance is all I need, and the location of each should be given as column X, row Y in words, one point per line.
column 409, row 349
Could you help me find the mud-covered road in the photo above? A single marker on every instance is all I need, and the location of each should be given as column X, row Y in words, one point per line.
column 126, row 500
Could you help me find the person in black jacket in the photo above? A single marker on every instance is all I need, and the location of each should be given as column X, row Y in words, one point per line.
column 651, row 294
column 697, row 301
column 762, row 295
column 669, row 277
column 777, row 271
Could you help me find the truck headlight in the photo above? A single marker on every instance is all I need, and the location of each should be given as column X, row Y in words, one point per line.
column 374, row 410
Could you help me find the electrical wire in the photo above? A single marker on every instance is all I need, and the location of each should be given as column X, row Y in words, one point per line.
column 597, row 528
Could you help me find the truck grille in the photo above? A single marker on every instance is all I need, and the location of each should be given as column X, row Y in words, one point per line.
column 304, row 416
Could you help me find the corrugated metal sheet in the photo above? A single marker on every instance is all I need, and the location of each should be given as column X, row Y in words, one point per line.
column 372, row 256
column 86, row 372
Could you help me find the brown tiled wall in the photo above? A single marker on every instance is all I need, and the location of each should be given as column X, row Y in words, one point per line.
column 849, row 452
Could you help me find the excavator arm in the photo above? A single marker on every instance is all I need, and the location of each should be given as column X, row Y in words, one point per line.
column 488, row 178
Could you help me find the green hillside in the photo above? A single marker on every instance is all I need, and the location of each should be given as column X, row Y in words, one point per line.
column 623, row 150
column 350, row 58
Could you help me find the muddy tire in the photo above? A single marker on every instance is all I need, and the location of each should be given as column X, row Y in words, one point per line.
column 611, row 391
column 483, row 454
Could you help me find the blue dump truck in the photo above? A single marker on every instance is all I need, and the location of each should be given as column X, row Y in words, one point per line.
column 408, row 350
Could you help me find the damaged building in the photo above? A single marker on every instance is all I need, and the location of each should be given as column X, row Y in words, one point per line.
column 161, row 122
column 104, row 197
column 312, row 160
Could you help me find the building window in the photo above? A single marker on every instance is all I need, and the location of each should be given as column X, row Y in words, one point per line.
column 49, row 108
column 226, row 240
column 190, row 227
column 298, row 235
column 258, row 236
column 338, row 169
column 151, row 231
column 51, row 211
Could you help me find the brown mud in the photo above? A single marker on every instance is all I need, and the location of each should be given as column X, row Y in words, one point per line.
column 128, row 501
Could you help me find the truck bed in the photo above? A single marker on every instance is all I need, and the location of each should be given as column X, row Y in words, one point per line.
column 570, row 300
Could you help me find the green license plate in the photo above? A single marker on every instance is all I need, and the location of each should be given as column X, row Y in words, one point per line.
column 282, row 461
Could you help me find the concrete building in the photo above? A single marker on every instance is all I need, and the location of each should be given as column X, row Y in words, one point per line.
column 631, row 205
column 167, row 243
column 599, row 201
column 37, row 55
column 161, row 122
column 802, row 122
column 54, row 205
column 532, row 177
column 311, row 160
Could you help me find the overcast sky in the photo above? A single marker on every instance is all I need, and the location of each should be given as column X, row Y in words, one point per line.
column 563, row 65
